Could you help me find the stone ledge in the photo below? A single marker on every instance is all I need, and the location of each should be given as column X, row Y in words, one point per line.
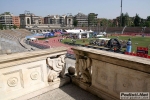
column 52, row 85
column 93, row 90
column 27, row 57
column 132, row 62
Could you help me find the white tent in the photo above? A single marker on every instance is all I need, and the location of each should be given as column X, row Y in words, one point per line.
column 33, row 39
column 104, row 38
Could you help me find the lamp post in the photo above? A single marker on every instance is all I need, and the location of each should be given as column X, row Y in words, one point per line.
column 121, row 14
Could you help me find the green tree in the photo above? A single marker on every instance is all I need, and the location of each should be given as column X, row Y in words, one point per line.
column 83, row 25
column 137, row 20
column 104, row 22
column 92, row 21
column 126, row 19
column 1, row 26
column 142, row 23
column 120, row 19
column 6, row 13
column 75, row 23
column 147, row 23
column 9, row 27
column 148, row 18
column 109, row 23
column 14, row 26
column 5, row 27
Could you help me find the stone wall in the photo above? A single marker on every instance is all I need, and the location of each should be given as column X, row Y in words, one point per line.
column 106, row 74
column 23, row 73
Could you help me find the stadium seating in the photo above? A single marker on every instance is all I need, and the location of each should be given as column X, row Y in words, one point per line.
column 10, row 40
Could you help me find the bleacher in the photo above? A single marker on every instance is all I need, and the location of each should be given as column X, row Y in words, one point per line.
column 133, row 30
column 114, row 30
column 147, row 30
column 10, row 40
column 117, row 30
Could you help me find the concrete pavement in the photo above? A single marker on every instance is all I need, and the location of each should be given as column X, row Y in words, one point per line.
column 67, row 92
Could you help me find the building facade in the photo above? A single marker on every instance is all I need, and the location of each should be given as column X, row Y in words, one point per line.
column 92, row 19
column 29, row 19
column 6, row 19
column 55, row 19
column 60, row 20
column 16, row 21
column 82, row 20
column 69, row 19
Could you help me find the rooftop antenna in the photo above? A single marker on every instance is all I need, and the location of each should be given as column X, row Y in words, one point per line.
column 26, row 12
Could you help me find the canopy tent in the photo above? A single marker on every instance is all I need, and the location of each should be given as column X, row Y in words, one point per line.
column 32, row 38
column 104, row 38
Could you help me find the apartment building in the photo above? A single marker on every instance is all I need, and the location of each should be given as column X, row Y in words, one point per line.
column 16, row 20
column 6, row 19
column 82, row 20
column 29, row 19
column 55, row 19
column 92, row 19
column 60, row 20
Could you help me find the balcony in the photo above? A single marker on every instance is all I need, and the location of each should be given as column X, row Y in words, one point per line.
column 43, row 75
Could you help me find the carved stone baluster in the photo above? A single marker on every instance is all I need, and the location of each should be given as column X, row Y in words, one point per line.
column 83, row 68
column 56, row 67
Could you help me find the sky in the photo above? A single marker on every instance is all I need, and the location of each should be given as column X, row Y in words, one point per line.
column 109, row 9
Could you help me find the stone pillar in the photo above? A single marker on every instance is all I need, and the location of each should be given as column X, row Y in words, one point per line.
column 87, row 34
column 79, row 35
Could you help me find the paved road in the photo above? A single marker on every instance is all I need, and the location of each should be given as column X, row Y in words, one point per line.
column 67, row 92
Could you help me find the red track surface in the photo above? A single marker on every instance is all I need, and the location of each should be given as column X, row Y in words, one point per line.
column 55, row 42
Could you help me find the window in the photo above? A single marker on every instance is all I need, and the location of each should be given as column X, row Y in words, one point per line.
column 28, row 21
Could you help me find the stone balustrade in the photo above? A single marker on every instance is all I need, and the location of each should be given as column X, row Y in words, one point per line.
column 106, row 74
column 102, row 73
column 23, row 73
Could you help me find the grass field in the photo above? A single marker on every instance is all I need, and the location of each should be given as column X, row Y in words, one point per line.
column 142, row 41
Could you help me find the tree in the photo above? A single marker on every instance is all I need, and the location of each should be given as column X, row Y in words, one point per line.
column 142, row 23
column 148, row 18
column 109, row 23
column 123, row 20
column 5, row 27
column 14, row 26
column 83, row 25
column 1, row 26
column 104, row 22
column 147, row 23
column 126, row 19
column 6, row 13
column 9, row 27
column 75, row 23
column 92, row 20
column 137, row 20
